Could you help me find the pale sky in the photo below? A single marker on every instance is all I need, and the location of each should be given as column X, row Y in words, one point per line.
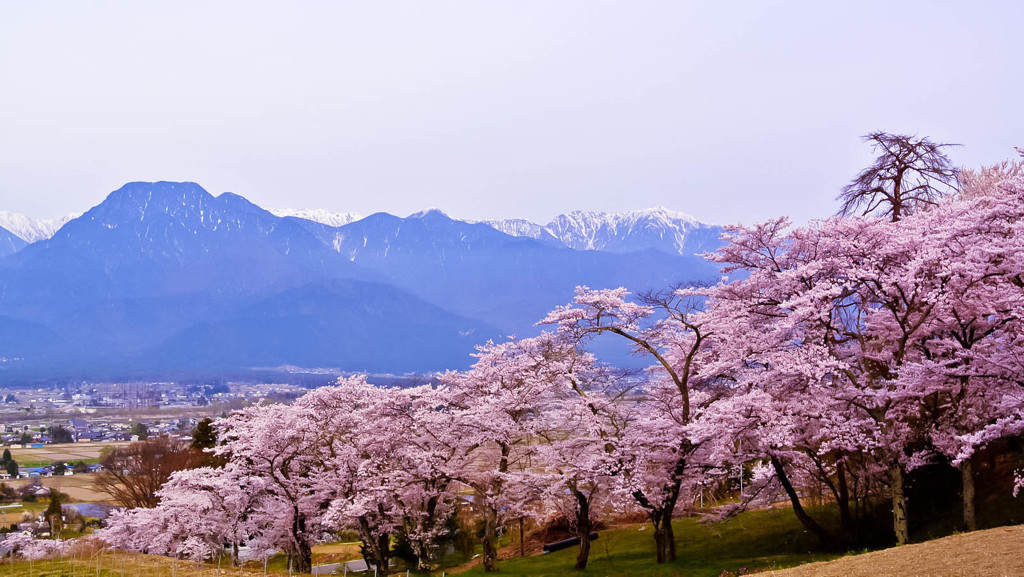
column 730, row 111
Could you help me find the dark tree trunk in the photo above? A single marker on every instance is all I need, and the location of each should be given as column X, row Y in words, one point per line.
column 807, row 520
column 846, row 520
column 384, row 554
column 303, row 552
column 967, row 477
column 303, row 558
column 664, row 536
column 661, row 518
column 899, row 505
column 583, row 528
column 376, row 549
column 490, row 541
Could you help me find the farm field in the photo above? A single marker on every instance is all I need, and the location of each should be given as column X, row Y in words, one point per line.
column 12, row 513
column 29, row 456
column 79, row 487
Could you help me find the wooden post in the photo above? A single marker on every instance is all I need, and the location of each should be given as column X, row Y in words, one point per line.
column 522, row 539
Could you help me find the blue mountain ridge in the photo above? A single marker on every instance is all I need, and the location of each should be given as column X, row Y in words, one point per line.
column 166, row 276
column 10, row 243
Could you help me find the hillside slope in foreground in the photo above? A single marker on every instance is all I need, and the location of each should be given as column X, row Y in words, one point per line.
column 993, row 552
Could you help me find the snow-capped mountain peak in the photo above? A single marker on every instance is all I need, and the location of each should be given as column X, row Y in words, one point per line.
column 516, row 227
column 31, row 230
column 660, row 212
column 429, row 212
column 320, row 215
column 659, row 228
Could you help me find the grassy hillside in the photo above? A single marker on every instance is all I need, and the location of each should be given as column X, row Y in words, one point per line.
column 755, row 540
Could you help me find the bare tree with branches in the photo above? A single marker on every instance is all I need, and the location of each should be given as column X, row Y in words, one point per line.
column 133, row 474
column 908, row 175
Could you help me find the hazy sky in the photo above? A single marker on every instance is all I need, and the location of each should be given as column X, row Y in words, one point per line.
column 727, row 110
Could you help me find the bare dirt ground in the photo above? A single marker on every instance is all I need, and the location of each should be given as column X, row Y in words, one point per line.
column 79, row 487
column 10, row 514
column 994, row 552
column 336, row 553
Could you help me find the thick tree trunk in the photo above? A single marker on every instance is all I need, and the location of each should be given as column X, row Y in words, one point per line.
column 798, row 509
column 664, row 536
column 303, row 559
column 967, row 477
column 422, row 552
column 899, row 505
column 303, row 552
column 376, row 549
column 846, row 521
column 490, row 540
column 661, row 518
column 583, row 528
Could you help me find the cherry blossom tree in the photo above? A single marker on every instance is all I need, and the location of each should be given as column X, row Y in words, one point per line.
column 390, row 464
column 844, row 311
column 493, row 410
column 883, row 319
column 281, row 446
column 30, row 548
column 581, row 425
column 971, row 362
column 660, row 447
column 212, row 506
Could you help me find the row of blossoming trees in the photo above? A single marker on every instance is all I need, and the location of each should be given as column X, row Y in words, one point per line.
column 843, row 354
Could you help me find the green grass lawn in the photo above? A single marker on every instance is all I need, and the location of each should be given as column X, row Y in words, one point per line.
column 752, row 540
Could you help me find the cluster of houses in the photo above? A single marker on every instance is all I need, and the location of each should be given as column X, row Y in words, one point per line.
column 40, row 432
column 89, row 397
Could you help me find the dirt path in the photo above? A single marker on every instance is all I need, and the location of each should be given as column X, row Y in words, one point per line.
column 995, row 552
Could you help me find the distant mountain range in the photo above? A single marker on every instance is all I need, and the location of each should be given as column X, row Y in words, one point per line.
column 32, row 230
column 167, row 277
column 654, row 228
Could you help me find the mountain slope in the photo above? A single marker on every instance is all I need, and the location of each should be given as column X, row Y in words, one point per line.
column 165, row 276
column 479, row 272
column 10, row 243
column 155, row 259
column 350, row 325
